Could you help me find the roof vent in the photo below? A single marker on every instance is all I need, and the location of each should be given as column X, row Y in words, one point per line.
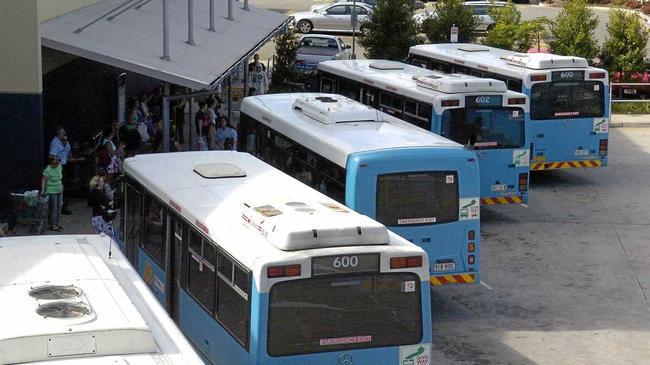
column 453, row 85
column 55, row 292
column 332, row 109
column 64, row 310
column 387, row 65
column 219, row 170
column 473, row 48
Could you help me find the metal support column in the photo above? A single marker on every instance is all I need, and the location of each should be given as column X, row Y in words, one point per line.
column 190, row 22
column 246, row 5
column 190, row 119
column 212, row 16
column 166, row 31
column 231, row 5
column 165, row 116
column 230, row 98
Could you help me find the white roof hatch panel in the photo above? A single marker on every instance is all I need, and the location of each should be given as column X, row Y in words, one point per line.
column 335, row 109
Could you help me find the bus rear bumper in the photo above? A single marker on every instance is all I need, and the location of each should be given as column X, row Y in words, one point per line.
column 502, row 200
column 461, row 278
column 539, row 166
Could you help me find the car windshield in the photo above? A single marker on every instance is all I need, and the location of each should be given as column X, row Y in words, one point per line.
column 344, row 312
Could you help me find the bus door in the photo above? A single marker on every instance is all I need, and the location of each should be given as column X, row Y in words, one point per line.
column 497, row 135
column 177, row 237
column 132, row 226
column 568, row 119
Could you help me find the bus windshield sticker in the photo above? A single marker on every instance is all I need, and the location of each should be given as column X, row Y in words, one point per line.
column 567, row 114
column 470, row 208
column 416, row 220
column 449, row 179
column 601, row 125
column 408, row 286
column 596, row 87
column 486, row 144
column 515, row 113
column 415, row 354
column 345, row 340
column 521, row 157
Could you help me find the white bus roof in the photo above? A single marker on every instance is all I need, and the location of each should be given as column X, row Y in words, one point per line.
column 336, row 127
column 497, row 60
column 412, row 81
column 105, row 312
column 263, row 217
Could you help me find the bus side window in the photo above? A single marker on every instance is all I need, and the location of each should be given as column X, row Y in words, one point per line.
column 326, row 85
column 514, row 85
column 424, row 112
column 441, row 66
column 349, row 89
column 154, row 227
column 233, row 310
column 201, row 271
column 133, row 219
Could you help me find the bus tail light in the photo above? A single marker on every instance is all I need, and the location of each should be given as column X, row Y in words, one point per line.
column 517, row 101
column 523, row 182
column 471, row 247
column 446, row 103
column 470, row 259
column 597, row 75
column 404, row 262
column 537, row 77
column 283, row 271
column 602, row 148
column 471, row 235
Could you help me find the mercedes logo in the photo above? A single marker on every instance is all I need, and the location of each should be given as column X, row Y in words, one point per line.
column 345, row 359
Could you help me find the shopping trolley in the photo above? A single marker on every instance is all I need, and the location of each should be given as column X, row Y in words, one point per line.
column 30, row 213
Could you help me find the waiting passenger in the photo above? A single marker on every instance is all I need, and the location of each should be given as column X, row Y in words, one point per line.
column 225, row 136
column 102, row 214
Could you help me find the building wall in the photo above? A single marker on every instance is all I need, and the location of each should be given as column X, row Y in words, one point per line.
column 20, row 59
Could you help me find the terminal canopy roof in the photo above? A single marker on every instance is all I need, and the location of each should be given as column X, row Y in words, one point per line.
column 133, row 40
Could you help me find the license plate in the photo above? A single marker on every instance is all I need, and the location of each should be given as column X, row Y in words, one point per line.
column 582, row 152
column 447, row 266
column 499, row 187
column 629, row 91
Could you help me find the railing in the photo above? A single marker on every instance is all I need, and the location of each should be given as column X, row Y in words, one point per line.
column 621, row 92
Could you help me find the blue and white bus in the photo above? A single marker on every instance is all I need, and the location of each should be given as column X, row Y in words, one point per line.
column 257, row 268
column 479, row 113
column 418, row 184
column 569, row 100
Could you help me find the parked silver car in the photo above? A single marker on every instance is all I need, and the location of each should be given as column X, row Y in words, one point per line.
column 336, row 17
column 315, row 48
column 418, row 4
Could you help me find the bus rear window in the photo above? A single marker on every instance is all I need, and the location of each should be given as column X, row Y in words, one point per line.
column 417, row 198
column 485, row 128
column 567, row 100
column 344, row 312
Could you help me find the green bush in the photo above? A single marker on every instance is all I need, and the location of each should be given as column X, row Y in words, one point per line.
column 625, row 46
column 631, row 108
column 572, row 33
column 390, row 31
column 447, row 13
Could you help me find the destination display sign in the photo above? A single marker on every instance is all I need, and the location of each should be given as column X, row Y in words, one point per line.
column 341, row 264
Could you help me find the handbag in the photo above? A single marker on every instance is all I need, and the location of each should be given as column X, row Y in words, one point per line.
column 200, row 144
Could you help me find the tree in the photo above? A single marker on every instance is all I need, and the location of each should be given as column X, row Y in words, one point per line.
column 625, row 47
column 447, row 13
column 508, row 31
column 390, row 31
column 286, row 48
column 572, row 33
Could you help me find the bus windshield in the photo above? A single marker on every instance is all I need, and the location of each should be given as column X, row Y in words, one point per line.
column 567, row 100
column 416, row 198
column 343, row 312
column 485, row 128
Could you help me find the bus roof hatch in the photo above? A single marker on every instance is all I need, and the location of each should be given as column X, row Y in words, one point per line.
column 335, row 109
column 543, row 61
column 294, row 226
column 453, row 85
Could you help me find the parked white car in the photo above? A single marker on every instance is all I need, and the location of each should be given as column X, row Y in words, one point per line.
column 336, row 17
column 417, row 3
column 480, row 8
column 315, row 48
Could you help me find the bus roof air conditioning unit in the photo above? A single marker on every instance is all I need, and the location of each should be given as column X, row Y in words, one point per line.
column 294, row 226
column 543, row 61
column 453, row 85
column 332, row 109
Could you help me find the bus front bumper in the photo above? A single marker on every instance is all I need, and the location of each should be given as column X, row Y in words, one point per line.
column 539, row 166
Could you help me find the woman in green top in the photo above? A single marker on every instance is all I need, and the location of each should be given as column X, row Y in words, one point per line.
column 52, row 185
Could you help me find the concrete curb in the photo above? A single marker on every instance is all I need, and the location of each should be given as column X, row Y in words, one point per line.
column 629, row 121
